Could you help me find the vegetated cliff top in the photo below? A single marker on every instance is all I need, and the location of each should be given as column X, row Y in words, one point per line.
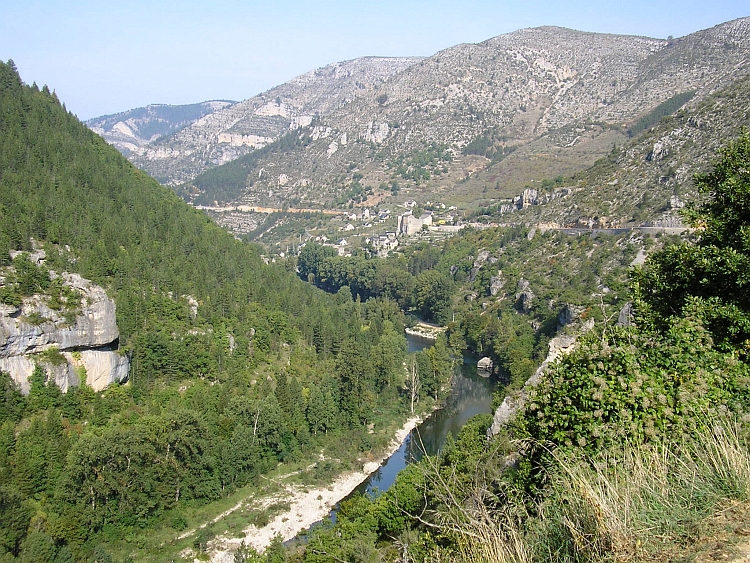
column 130, row 130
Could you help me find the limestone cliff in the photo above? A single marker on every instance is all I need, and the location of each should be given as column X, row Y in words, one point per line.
column 70, row 345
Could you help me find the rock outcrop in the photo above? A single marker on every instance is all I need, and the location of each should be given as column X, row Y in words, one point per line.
column 485, row 367
column 568, row 314
column 35, row 334
column 496, row 283
column 524, row 297
column 558, row 346
column 95, row 326
column 625, row 318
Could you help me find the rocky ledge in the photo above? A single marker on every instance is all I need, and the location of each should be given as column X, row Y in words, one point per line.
column 70, row 351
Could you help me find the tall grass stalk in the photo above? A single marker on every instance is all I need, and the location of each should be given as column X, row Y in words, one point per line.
column 639, row 500
column 628, row 504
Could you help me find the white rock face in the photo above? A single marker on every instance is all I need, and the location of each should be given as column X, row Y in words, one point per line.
column 375, row 132
column 20, row 369
column 22, row 343
column 558, row 346
column 321, row 133
column 102, row 367
column 300, row 121
column 272, row 109
column 253, row 141
column 332, row 148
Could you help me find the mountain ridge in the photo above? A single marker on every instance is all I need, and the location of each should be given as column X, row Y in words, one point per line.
column 130, row 130
column 261, row 119
column 507, row 92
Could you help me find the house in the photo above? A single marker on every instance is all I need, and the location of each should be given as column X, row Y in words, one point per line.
column 426, row 218
column 408, row 224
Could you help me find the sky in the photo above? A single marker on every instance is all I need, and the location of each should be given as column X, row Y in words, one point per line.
column 106, row 56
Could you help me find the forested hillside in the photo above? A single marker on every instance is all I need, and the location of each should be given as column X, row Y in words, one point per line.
column 236, row 365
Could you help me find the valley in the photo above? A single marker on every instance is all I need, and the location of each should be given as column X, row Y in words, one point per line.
column 202, row 346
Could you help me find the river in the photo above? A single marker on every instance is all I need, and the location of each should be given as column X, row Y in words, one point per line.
column 470, row 395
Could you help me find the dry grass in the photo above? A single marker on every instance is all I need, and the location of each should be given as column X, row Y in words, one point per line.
column 644, row 500
column 638, row 504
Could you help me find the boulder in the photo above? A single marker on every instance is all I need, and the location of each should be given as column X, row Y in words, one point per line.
column 625, row 318
column 485, row 367
column 20, row 369
column 496, row 283
column 483, row 256
column 524, row 301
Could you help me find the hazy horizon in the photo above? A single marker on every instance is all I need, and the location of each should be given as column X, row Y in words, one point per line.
column 103, row 59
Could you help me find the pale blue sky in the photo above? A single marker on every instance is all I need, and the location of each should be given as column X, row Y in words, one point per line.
column 102, row 56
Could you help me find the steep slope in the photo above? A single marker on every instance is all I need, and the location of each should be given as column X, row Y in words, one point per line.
column 580, row 89
column 97, row 215
column 225, row 135
column 129, row 131
column 648, row 179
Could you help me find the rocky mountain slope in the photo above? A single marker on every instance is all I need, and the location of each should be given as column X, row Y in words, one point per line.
column 234, row 131
column 129, row 131
column 530, row 104
column 646, row 181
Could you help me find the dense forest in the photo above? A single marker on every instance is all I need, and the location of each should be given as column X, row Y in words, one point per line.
column 537, row 277
column 266, row 369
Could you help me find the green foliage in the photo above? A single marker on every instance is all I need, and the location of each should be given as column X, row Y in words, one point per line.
column 433, row 292
column 491, row 145
column 15, row 516
column 664, row 109
column 11, row 400
column 225, row 183
column 245, row 554
column 419, row 166
column 310, row 259
column 29, row 278
column 708, row 279
column 38, row 547
column 633, row 386
column 226, row 352
column 435, row 368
